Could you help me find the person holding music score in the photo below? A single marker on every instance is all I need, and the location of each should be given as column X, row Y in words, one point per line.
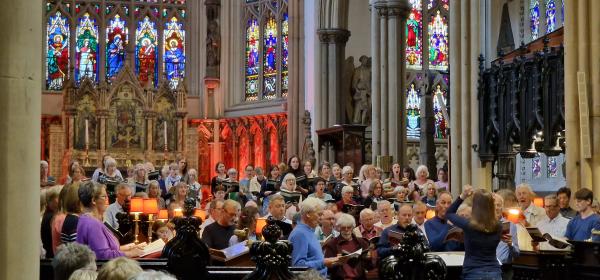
column 385, row 245
column 437, row 227
column 320, row 190
column 482, row 233
column 347, row 193
column 306, row 249
column 217, row 235
column 366, row 229
column 220, row 177
column 344, row 244
column 508, row 248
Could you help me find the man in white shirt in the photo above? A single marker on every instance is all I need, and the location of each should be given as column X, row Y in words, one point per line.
column 419, row 213
column 554, row 223
column 386, row 215
column 123, row 196
column 533, row 214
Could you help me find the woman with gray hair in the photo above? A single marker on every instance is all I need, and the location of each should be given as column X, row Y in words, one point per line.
column 306, row 248
column 347, row 193
column 346, row 243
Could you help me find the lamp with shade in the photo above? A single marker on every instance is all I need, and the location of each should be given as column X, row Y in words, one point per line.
column 177, row 212
column 136, row 208
column 163, row 215
column 150, row 208
column 260, row 224
column 429, row 214
column 200, row 213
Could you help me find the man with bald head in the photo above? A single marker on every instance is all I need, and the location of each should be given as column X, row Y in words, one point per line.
column 437, row 227
column 405, row 215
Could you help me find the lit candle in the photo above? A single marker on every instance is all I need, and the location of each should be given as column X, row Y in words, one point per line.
column 87, row 133
column 165, row 134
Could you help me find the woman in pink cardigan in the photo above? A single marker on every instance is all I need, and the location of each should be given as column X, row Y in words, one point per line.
column 90, row 229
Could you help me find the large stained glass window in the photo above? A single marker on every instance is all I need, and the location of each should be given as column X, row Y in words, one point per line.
column 86, row 50
column 91, row 39
column 252, row 61
column 414, row 42
column 174, row 52
column 266, row 49
column 534, row 19
column 117, row 38
column 146, row 53
column 57, row 51
column 431, row 63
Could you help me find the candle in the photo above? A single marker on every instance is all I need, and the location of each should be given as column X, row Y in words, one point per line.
column 165, row 134
column 87, row 133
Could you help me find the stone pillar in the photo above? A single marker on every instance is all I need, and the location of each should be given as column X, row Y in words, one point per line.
column 426, row 144
column 388, row 19
column 581, row 51
column 296, row 92
column 20, row 112
column 333, row 45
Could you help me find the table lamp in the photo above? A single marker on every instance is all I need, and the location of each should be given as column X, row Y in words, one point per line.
column 200, row 213
column 260, row 224
column 150, row 208
column 136, row 208
column 514, row 215
column 163, row 215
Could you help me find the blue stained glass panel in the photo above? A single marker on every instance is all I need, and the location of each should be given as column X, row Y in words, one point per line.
column 174, row 49
column 57, row 51
column 550, row 16
column 117, row 38
column 534, row 19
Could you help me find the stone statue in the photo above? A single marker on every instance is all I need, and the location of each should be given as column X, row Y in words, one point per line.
column 361, row 92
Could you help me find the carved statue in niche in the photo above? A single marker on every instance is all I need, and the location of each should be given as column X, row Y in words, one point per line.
column 126, row 124
column 86, row 109
column 361, row 92
column 346, row 89
column 165, row 113
column 213, row 39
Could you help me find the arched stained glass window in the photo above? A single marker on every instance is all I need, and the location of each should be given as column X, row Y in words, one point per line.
column 534, row 19
column 86, row 50
column 57, row 51
column 266, row 49
column 174, row 42
column 117, row 38
column 146, row 54
column 550, row 16
column 91, row 38
column 433, row 63
column 413, row 113
column 414, row 30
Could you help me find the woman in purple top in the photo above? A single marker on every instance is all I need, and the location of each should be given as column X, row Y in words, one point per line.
column 90, row 229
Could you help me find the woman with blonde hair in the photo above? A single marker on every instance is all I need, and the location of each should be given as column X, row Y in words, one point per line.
column 482, row 233
column 155, row 192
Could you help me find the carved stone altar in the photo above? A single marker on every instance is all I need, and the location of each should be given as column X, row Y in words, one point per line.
column 124, row 119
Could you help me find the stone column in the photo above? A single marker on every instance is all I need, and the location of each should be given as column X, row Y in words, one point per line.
column 296, row 92
column 465, row 47
column 333, row 45
column 388, row 19
column 20, row 111
column 426, row 144
column 581, row 51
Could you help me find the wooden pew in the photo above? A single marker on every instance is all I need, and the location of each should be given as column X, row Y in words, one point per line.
column 215, row 272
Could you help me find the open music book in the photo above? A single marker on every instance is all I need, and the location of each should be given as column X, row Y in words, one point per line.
column 536, row 234
column 156, row 246
column 290, row 197
column 354, row 254
column 230, row 252
column 395, row 237
column 455, row 234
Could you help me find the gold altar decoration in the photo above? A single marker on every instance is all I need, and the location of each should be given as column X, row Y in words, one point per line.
column 122, row 118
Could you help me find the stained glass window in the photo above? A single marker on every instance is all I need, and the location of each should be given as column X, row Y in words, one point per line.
column 86, row 50
column 550, row 16
column 57, row 51
column 284, row 55
column 552, row 167
column 438, row 42
column 270, row 58
column 431, row 63
column 174, row 42
column 266, row 50
column 146, row 53
column 90, row 39
column 252, row 62
column 534, row 19
column 414, row 41
column 413, row 112
column 439, row 100
column 117, row 38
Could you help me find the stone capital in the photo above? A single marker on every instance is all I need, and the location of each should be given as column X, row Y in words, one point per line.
column 333, row 36
column 392, row 8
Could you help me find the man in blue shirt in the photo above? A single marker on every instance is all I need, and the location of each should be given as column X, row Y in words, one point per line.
column 384, row 247
column 437, row 227
column 581, row 226
column 306, row 249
